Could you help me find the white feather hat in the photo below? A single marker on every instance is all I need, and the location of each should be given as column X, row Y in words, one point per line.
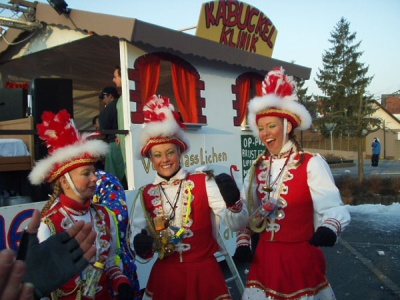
column 67, row 148
column 278, row 99
column 161, row 125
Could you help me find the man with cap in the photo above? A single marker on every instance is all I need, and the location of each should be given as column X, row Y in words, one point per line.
column 293, row 202
column 70, row 168
column 108, row 120
column 178, row 214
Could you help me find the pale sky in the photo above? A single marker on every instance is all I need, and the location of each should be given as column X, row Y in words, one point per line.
column 304, row 28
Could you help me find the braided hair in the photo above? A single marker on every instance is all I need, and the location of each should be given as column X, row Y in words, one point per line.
column 57, row 190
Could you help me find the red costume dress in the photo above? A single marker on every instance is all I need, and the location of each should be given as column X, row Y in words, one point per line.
column 285, row 265
column 190, row 271
column 60, row 217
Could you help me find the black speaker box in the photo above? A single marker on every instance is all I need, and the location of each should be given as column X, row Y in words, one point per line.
column 49, row 94
column 13, row 104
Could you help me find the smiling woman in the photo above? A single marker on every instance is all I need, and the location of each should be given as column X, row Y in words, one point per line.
column 300, row 194
column 178, row 214
column 70, row 168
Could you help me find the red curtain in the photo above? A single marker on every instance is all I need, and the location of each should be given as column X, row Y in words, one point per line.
column 245, row 85
column 244, row 95
column 184, row 83
column 258, row 84
column 149, row 77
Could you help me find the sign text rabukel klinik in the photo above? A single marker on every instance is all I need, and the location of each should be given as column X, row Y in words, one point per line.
column 238, row 25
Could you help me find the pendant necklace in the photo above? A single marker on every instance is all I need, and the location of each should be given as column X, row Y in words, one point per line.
column 269, row 187
column 173, row 203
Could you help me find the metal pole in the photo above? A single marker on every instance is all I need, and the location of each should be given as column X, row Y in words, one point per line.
column 331, row 132
column 384, row 140
column 360, row 141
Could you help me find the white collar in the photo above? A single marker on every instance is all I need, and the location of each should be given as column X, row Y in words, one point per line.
column 180, row 175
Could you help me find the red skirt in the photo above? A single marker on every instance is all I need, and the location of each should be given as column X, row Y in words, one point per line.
column 203, row 280
column 288, row 270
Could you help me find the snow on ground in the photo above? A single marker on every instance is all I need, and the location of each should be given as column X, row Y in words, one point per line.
column 378, row 215
column 374, row 209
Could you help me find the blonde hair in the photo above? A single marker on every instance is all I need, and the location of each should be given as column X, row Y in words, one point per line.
column 57, row 190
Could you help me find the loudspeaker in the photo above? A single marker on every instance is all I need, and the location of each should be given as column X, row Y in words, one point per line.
column 13, row 104
column 49, row 94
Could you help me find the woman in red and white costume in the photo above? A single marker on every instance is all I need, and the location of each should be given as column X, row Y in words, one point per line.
column 70, row 167
column 178, row 214
column 297, row 187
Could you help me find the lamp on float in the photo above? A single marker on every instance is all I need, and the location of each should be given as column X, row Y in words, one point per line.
column 60, row 6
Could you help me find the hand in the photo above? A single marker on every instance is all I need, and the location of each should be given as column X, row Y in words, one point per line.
column 70, row 251
column 243, row 254
column 125, row 292
column 323, row 237
column 11, row 275
column 228, row 189
column 142, row 243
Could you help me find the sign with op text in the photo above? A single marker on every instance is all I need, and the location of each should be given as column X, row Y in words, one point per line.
column 251, row 148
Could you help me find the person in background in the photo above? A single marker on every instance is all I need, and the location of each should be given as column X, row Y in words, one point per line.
column 96, row 126
column 376, row 151
column 108, row 120
column 292, row 200
column 96, row 123
column 32, row 274
column 70, row 168
column 120, row 137
column 110, row 193
column 178, row 214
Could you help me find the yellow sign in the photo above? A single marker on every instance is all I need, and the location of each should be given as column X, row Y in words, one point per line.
column 238, row 25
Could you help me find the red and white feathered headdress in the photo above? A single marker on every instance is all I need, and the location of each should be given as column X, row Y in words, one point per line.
column 67, row 148
column 279, row 99
column 161, row 125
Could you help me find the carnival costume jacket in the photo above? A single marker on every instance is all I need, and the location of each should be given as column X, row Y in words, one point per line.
column 62, row 215
column 110, row 193
column 285, row 264
column 186, row 267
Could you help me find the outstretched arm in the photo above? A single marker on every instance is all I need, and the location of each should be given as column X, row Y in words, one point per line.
column 11, row 275
column 70, row 251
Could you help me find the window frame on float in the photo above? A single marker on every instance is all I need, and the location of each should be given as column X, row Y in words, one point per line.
column 168, row 75
column 247, row 86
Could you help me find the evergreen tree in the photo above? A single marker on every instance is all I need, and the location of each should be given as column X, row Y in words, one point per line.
column 304, row 99
column 307, row 101
column 343, row 80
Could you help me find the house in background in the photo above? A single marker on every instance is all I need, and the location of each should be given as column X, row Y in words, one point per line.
column 388, row 135
column 346, row 146
column 391, row 102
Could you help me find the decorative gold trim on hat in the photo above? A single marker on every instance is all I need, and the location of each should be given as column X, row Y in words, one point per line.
column 62, row 169
column 279, row 113
column 163, row 140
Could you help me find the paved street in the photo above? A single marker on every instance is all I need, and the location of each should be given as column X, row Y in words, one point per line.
column 365, row 263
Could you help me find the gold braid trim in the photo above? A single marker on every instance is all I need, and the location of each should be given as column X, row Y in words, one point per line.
column 60, row 293
column 249, row 195
column 152, row 227
column 46, row 220
column 250, row 199
column 61, row 170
